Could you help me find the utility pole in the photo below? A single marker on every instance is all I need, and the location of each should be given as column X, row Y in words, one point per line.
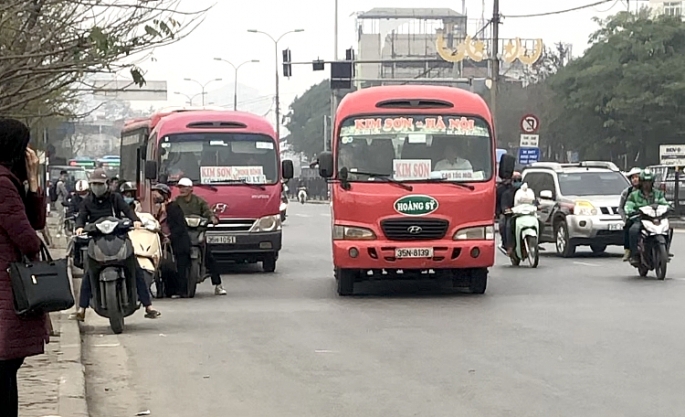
column 334, row 98
column 325, row 132
column 495, row 60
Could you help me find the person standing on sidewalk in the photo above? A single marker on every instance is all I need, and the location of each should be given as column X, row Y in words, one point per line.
column 22, row 212
column 61, row 203
column 193, row 205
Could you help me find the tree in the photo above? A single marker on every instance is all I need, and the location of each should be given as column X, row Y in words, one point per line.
column 627, row 93
column 51, row 46
column 305, row 119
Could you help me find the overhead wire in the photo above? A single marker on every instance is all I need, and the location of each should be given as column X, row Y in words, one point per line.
column 556, row 12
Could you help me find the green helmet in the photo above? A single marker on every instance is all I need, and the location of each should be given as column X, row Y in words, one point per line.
column 647, row 175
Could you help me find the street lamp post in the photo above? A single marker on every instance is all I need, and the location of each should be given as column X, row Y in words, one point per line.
column 235, row 69
column 203, row 86
column 189, row 98
column 277, row 98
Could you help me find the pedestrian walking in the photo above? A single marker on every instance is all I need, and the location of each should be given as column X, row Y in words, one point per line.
column 62, row 195
column 22, row 213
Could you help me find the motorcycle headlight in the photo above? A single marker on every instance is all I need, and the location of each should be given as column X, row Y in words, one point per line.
column 584, row 208
column 267, row 224
column 106, row 227
column 475, row 233
column 352, row 233
column 283, row 207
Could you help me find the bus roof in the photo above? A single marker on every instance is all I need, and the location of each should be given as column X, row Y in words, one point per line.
column 231, row 120
column 366, row 101
column 151, row 121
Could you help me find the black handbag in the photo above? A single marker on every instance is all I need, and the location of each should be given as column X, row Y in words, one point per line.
column 41, row 286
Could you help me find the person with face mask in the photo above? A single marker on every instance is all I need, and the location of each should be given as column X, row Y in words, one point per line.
column 506, row 192
column 128, row 191
column 102, row 203
column 193, row 205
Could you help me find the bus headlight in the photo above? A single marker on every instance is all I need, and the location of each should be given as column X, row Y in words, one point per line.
column 352, row 233
column 475, row 233
column 267, row 224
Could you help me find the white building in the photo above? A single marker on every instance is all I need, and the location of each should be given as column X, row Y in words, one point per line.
column 668, row 7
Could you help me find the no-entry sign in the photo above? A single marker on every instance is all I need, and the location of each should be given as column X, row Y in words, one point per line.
column 530, row 124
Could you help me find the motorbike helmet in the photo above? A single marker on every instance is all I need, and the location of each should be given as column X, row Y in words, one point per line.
column 633, row 171
column 127, row 187
column 81, row 186
column 162, row 188
column 516, row 176
column 646, row 175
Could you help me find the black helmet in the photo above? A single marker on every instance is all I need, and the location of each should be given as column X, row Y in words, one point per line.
column 162, row 188
column 127, row 186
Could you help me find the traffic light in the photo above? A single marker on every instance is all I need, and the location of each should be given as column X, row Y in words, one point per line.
column 342, row 73
column 349, row 55
column 318, row 65
column 287, row 67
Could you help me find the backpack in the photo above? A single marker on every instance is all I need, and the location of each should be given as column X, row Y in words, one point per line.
column 53, row 192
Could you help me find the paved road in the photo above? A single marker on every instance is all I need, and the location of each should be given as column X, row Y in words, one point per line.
column 582, row 337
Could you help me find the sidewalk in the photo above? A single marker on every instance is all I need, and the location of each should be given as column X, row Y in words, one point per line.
column 53, row 384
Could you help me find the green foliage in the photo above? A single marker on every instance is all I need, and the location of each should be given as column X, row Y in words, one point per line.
column 305, row 119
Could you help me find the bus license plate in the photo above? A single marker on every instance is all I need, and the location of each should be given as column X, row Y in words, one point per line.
column 414, row 253
column 221, row 240
column 616, row 226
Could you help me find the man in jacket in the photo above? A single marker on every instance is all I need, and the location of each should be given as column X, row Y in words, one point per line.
column 101, row 203
column 506, row 191
column 634, row 177
column 642, row 197
column 193, row 205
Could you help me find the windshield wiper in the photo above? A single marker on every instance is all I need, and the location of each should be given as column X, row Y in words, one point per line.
column 458, row 184
column 244, row 181
column 386, row 178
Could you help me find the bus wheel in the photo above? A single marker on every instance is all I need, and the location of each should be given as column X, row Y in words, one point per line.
column 479, row 281
column 346, row 278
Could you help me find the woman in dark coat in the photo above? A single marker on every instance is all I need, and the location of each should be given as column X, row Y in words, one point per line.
column 173, row 222
column 22, row 212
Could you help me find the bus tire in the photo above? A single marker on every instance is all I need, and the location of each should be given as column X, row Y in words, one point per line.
column 479, row 281
column 345, row 280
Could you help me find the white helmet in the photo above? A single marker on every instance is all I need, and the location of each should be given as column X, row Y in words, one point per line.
column 81, row 186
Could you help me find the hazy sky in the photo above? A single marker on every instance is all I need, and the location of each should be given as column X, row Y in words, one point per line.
column 224, row 34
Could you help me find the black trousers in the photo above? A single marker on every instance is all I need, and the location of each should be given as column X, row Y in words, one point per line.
column 212, row 267
column 9, row 391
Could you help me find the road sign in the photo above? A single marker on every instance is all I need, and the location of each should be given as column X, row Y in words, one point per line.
column 529, row 141
column 672, row 155
column 530, row 123
column 528, row 155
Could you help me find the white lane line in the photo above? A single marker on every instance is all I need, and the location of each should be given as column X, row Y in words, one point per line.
column 325, row 214
column 679, row 231
column 301, row 215
column 585, row 263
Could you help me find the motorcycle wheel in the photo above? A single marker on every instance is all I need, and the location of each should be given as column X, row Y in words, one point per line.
column 531, row 243
column 193, row 278
column 660, row 262
column 114, row 313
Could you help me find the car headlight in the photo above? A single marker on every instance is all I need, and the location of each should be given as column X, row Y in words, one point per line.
column 352, row 233
column 267, row 224
column 475, row 233
column 584, row 208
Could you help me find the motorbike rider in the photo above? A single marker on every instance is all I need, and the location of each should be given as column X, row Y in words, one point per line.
column 506, row 191
column 75, row 202
column 98, row 204
column 634, row 177
column 128, row 191
column 646, row 195
column 193, row 205
column 175, row 231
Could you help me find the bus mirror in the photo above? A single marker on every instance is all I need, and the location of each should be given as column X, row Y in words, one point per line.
column 150, row 170
column 506, row 166
column 288, row 169
column 326, row 164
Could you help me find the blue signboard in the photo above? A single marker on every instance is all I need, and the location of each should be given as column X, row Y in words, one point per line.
column 528, row 155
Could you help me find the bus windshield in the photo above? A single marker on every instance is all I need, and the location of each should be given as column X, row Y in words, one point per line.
column 415, row 148
column 219, row 158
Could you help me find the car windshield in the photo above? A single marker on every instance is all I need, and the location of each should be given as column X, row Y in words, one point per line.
column 415, row 148
column 592, row 183
column 215, row 158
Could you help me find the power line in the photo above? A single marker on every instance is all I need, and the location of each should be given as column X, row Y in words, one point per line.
column 573, row 9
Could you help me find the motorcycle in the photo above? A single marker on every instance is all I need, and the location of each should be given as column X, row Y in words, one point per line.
column 655, row 238
column 197, row 228
column 525, row 235
column 148, row 249
column 284, row 206
column 302, row 195
column 114, row 279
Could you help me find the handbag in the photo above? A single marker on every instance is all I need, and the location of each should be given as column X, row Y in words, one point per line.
column 41, row 286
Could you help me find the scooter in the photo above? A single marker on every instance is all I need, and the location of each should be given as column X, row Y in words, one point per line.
column 148, row 249
column 655, row 238
column 114, row 279
column 284, row 206
column 302, row 195
column 525, row 235
column 197, row 228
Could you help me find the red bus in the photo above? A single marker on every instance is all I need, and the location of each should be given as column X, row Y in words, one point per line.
column 234, row 160
column 414, row 195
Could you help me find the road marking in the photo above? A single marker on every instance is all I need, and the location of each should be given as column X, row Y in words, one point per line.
column 107, row 345
column 325, row 214
column 325, row 351
column 301, row 215
column 679, row 231
column 585, row 263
